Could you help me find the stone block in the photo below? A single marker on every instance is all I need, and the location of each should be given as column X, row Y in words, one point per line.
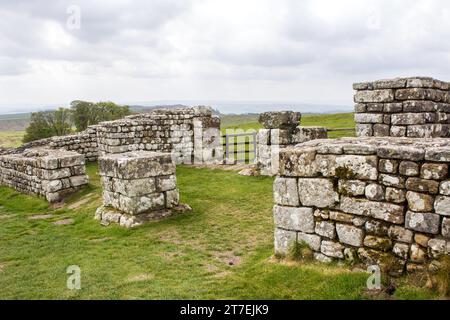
column 284, row 240
column 312, row 240
column 435, row 171
column 401, row 234
column 332, row 249
column 325, row 229
column 379, row 210
column 376, row 96
column 296, row 219
column 286, row 192
column 442, row 205
column 419, row 202
column 349, row 234
column 348, row 166
column 317, row 192
column 423, row 222
column 279, row 119
column 409, row 168
column 422, row 185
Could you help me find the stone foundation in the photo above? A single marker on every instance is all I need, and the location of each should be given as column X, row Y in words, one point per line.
column 372, row 199
column 281, row 129
column 52, row 174
column 403, row 107
column 138, row 187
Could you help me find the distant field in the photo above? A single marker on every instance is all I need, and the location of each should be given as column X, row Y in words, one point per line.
column 331, row 121
column 11, row 139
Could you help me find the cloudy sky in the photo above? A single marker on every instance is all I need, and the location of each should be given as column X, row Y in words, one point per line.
column 297, row 51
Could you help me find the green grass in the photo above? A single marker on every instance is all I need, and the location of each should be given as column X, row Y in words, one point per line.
column 11, row 139
column 222, row 249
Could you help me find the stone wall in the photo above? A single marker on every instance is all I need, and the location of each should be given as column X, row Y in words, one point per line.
column 84, row 143
column 138, row 187
column 281, row 129
column 403, row 107
column 52, row 174
column 190, row 134
column 372, row 199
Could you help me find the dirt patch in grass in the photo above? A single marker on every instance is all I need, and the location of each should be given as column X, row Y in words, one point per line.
column 140, row 277
column 2, row 266
column 6, row 216
column 41, row 216
column 80, row 203
column 64, row 222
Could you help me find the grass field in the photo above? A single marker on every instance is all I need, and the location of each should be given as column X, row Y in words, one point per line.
column 11, row 139
column 222, row 249
column 331, row 121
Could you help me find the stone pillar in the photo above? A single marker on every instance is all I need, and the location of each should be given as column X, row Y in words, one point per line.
column 138, row 186
column 403, row 107
column 281, row 129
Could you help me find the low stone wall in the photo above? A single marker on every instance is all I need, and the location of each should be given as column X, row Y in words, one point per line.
column 403, row 107
column 53, row 174
column 84, row 143
column 190, row 134
column 281, row 129
column 372, row 199
column 138, row 187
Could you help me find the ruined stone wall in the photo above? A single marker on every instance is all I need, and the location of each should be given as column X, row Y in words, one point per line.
column 372, row 199
column 137, row 186
column 281, row 129
column 84, row 143
column 403, row 107
column 52, row 174
column 188, row 133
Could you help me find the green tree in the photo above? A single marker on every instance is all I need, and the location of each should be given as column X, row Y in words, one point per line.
column 86, row 113
column 45, row 124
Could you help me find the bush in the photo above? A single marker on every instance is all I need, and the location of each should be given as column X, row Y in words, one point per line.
column 46, row 124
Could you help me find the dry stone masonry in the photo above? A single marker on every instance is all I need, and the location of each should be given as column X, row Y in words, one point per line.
column 138, row 186
column 190, row 134
column 281, row 129
column 52, row 174
column 403, row 107
column 373, row 199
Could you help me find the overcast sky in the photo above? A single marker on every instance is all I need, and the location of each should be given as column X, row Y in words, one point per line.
column 244, row 50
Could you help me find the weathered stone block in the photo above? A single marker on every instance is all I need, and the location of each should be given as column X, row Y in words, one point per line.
column 279, row 119
column 286, row 192
column 395, row 195
column 369, row 118
column 401, row 234
column 407, row 118
column 374, row 192
column 417, row 254
column 409, row 168
column 364, row 130
column 317, row 192
column 388, row 166
column 385, row 95
column 423, row 222
column 332, row 249
column 436, row 171
column 444, row 188
column 325, row 229
column 348, row 166
column 378, row 243
column 391, row 180
column 401, row 250
column 284, row 240
column 291, row 218
column 422, row 185
column 377, row 228
column 419, row 202
column 351, row 187
column 446, row 227
column 442, row 205
column 349, row 234
column 299, row 163
column 437, row 247
column 379, row 210
column 312, row 240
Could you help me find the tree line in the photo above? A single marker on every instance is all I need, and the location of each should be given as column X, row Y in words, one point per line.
column 78, row 117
